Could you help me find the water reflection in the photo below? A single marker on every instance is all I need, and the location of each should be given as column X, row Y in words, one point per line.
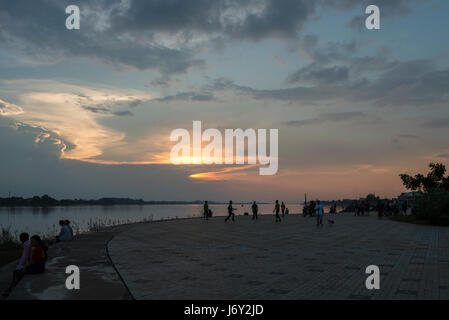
column 44, row 221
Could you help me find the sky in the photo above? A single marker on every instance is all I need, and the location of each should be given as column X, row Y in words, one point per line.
column 88, row 113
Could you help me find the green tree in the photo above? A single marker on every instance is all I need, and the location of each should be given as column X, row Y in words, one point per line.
column 433, row 204
column 433, row 180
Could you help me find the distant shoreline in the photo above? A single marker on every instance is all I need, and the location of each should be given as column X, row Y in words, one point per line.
column 46, row 201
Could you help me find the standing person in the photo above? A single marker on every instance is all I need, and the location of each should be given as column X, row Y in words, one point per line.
column 230, row 211
column 283, row 208
column 255, row 209
column 206, row 210
column 367, row 207
column 277, row 209
column 404, row 208
column 380, row 209
column 319, row 213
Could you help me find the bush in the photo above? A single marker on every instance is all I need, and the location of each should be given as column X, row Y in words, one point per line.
column 434, row 206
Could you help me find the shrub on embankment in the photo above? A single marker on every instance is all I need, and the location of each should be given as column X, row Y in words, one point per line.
column 433, row 203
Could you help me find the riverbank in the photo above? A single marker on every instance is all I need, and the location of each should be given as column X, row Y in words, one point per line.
column 99, row 280
column 89, row 251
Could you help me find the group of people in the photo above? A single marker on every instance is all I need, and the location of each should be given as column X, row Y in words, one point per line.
column 32, row 261
column 278, row 210
column 361, row 208
column 34, row 254
column 392, row 208
column 255, row 210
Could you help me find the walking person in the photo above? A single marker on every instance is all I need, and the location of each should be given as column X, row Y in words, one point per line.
column 319, row 213
column 230, row 211
column 206, row 210
column 283, row 208
column 277, row 209
column 255, row 209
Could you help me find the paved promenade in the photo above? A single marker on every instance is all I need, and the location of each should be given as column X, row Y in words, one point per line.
column 195, row 259
column 245, row 259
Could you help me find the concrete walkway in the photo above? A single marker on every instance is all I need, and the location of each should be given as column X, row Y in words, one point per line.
column 195, row 259
column 99, row 280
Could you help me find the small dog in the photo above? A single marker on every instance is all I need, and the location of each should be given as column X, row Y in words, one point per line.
column 331, row 222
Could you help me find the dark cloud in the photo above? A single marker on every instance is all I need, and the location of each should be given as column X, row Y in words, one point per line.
column 108, row 111
column 123, row 113
column 388, row 8
column 319, row 75
column 415, row 83
column 188, row 96
column 326, row 117
column 136, row 33
column 391, row 7
column 37, row 29
column 97, row 109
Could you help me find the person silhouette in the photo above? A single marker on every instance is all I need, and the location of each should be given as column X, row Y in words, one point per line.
column 255, row 210
column 230, row 211
column 277, row 209
column 319, row 213
column 206, row 210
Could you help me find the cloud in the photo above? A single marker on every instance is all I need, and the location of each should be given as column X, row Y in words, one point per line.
column 320, row 75
column 154, row 35
column 9, row 109
column 231, row 173
column 325, row 118
column 373, row 80
column 72, row 113
column 123, row 113
column 188, row 96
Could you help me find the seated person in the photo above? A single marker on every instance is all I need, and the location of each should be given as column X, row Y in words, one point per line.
column 64, row 234
column 70, row 236
column 24, row 261
column 38, row 257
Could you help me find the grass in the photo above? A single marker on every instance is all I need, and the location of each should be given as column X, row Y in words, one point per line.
column 10, row 248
